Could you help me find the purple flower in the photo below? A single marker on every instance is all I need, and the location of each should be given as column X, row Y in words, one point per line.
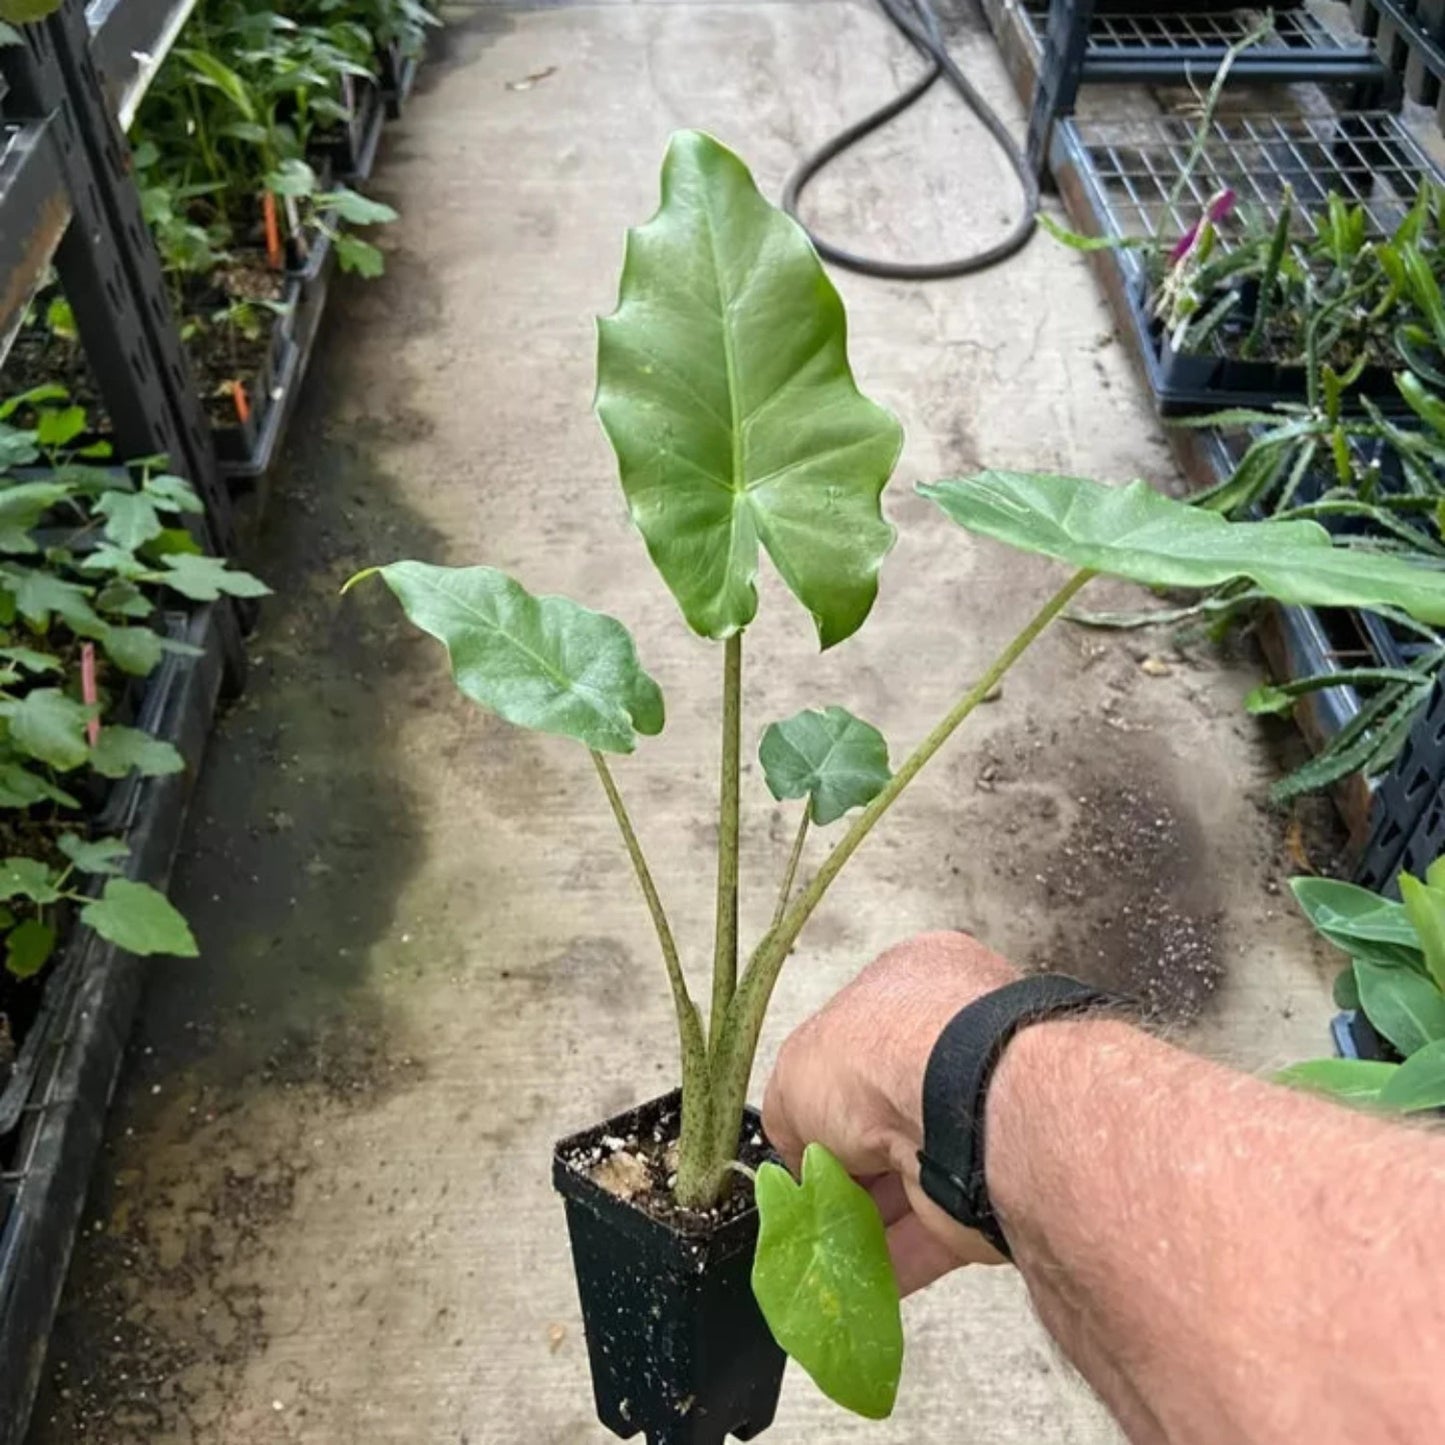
column 1219, row 205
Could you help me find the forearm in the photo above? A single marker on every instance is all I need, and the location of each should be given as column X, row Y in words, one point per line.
column 1193, row 1236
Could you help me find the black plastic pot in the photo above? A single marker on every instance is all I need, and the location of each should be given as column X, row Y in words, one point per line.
column 678, row 1346
column 1187, row 383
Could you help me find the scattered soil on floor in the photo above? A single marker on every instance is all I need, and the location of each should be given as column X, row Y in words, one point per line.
column 1146, row 924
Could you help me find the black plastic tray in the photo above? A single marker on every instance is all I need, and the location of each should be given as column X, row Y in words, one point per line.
column 352, row 150
column 398, row 77
column 247, row 453
column 52, row 1151
column 1120, row 178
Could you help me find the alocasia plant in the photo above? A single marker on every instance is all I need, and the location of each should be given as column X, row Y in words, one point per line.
column 724, row 386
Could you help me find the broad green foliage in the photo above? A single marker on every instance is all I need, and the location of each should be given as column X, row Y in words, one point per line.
column 835, row 760
column 1424, row 904
column 1418, row 1083
column 1138, row 533
column 92, row 554
column 1394, row 978
column 723, row 384
column 139, row 919
column 22, row 12
column 1403, row 1005
column 1361, row 923
column 825, row 1283
column 1352, row 1081
column 539, row 662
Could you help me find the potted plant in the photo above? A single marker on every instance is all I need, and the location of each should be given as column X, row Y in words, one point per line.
column 725, row 390
column 1391, row 1031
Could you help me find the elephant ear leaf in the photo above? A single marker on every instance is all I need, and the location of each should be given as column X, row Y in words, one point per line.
column 540, row 662
column 724, row 387
column 830, row 757
column 825, row 1283
column 1136, row 532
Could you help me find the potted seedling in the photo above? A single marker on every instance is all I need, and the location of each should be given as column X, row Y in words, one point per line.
column 724, row 387
column 1392, row 991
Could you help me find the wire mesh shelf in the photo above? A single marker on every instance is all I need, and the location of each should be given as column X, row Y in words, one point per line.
column 1133, row 170
column 1193, row 35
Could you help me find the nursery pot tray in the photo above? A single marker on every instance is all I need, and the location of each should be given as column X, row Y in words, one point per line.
column 49, row 1154
column 678, row 1346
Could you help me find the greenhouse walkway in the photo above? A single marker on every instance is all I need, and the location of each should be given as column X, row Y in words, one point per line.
column 323, row 1211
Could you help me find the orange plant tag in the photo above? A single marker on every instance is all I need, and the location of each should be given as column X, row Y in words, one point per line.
column 274, row 253
column 243, row 404
column 89, row 692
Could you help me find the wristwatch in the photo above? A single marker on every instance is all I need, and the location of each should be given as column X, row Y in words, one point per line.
column 955, row 1090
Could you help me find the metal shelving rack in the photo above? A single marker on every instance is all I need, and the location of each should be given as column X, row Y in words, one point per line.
column 72, row 200
column 68, row 200
column 1120, row 178
column 1409, row 36
column 1053, row 48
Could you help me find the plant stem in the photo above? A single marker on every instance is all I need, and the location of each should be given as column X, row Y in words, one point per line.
column 732, row 1051
column 686, row 1009
column 725, row 945
column 694, row 1172
column 786, row 891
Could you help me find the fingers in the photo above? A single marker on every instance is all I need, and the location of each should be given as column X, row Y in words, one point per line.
column 889, row 1195
column 778, row 1125
column 919, row 1257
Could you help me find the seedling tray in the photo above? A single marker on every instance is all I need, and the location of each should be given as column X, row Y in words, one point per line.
column 113, row 819
column 49, row 1153
column 1119, row 179
column 398, row 77
column 352, row 152
column 1308, row 642
column 246, row 452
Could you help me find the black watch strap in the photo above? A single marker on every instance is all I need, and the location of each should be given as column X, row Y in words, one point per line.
column 955, row 1090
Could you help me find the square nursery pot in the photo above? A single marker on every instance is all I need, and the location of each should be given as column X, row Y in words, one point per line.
column 678, row 1346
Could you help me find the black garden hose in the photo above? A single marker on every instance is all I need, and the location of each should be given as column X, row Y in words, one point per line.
column 919, row 24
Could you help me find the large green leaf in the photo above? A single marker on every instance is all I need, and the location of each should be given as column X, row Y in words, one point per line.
column 99, row 855
column 28, row 947
column 1344, row 912
column 130, row 518
column 825, row 1283
column 28, row 878
column 539, row 662
column 1403, row 1005
column 1418, row 1083
column 139, row 919
column 830, row 757
column 1136, row 532
column 118, row 750
column 204, row 579
column 723, row 384
column 1425, row 906
column 50, row 726
column 21, row 12
column 1352, row 1081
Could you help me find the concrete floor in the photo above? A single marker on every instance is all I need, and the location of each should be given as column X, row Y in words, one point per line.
column 323, row 1212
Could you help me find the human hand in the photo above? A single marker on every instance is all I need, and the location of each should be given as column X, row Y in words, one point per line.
column 851, row 1079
